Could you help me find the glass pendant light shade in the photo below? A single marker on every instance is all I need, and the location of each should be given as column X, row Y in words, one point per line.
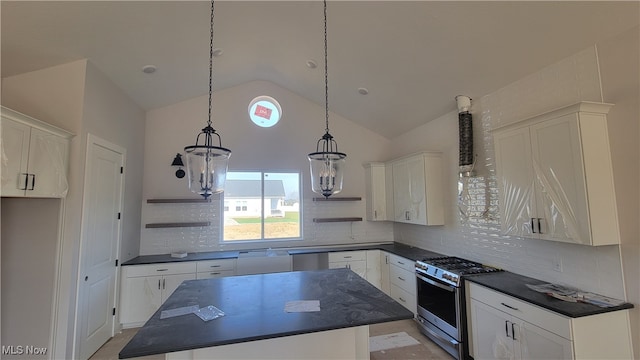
column 326, row 172
column 327, row 167
column 207, row 165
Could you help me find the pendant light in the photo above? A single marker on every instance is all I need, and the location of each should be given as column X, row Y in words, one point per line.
column 326, row 163
column 207, row 163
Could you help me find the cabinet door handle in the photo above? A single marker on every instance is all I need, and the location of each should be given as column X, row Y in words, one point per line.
column 539, row 226
column 386, row 259
column 163, row 283
column 506, row 328
column 158, row 284
column 33, row 181
column 215, row 266
column 513, row 331
column 401, row 279
column 347, row 257
column 400, row 262
column 533, row 227
column 375, row 214
column 26, row 181
column 510, row 307
column 401, row 299
column 214, row 273
column 162, row 269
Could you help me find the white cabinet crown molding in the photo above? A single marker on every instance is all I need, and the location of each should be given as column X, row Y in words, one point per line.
column 579, row 107
column 34, row 123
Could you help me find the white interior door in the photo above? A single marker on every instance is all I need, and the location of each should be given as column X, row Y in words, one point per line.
column 101, row 233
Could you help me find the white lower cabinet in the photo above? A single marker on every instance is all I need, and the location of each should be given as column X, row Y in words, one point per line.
column 385, row 265
column 402, row 281
column 503, row 327
column 503, row 336
column 373, row 274
column 354, row 260
column 208, row 269
column 145, row 287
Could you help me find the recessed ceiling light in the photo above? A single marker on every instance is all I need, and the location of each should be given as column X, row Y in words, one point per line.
column 149, row 69
column 312, row 64
column 217, row 52
column 363, row 91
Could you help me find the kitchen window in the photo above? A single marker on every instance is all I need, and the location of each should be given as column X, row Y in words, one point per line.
column 264, row 206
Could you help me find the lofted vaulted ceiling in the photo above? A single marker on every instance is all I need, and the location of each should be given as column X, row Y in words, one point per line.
column 414, row 57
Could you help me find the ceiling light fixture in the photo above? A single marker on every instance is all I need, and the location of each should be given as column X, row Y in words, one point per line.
column 207, row 163
column 149, row 69
column 312, row 64
column 327, row 166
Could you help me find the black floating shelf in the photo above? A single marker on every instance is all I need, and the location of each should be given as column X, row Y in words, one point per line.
column 177, row 201
column 177, row 224
column 352, row 198
column 340, row 219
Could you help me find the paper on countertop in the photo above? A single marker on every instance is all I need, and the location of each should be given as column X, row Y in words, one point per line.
column 165, row 314
column 574, row 295
column 209, row 313
column 302, row 306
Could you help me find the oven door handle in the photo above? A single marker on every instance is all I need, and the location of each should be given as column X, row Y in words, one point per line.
column 450, row 341
column 441, row 286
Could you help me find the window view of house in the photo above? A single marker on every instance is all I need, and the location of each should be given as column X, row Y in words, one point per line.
column 261, row 206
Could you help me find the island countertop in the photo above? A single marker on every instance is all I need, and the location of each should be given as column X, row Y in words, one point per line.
column 254, row 310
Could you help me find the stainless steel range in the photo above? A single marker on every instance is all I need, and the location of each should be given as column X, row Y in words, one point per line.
column 441, row 300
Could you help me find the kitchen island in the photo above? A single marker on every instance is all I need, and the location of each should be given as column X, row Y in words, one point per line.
column 255, row 324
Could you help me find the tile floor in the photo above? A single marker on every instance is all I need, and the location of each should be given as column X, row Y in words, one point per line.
column 425, row 350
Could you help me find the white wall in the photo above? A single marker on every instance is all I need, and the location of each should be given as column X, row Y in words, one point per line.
column 597, row 269
column 79, row 98
column 282, row 147
column 28, row 255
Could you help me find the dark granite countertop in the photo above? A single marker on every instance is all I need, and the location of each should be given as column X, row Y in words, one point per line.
column 515, row 285
column 410, row 252
column 165, row 258
column 254, row 310
column 406, row 251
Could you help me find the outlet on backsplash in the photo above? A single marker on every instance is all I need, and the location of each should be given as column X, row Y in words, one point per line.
column 556, row 263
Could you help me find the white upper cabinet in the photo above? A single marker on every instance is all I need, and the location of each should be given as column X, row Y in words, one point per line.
column 555, row 177
column 35, row 157
column 375, row 188
column 418, row 189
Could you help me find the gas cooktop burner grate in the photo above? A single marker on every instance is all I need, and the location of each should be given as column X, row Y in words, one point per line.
column 458, row 266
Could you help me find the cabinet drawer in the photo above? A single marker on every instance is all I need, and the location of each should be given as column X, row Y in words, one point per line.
column 160, row 269
column 403, row 279
column 403, row 297
column 555, row 323
column 404, row 263
column 215, row 274
column 216, row 265
column 347, row 256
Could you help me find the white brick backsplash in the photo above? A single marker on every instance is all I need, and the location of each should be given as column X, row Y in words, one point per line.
column 199, row 239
